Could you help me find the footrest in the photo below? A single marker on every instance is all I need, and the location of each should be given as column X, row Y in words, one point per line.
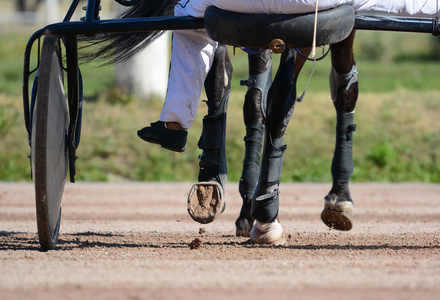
column 295, row 31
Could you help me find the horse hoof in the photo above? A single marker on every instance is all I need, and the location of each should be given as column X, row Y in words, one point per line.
column 205, row 202
column 243, row 227
column 338, row 215
column 268, row 234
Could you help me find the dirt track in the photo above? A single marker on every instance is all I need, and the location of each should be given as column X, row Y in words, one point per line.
column 131, row 241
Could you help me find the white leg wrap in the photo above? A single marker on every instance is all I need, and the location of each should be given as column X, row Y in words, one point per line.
column 342, row 80
column 268, row 233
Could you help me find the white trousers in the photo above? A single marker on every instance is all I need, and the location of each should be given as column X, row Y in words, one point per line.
column 193, row 51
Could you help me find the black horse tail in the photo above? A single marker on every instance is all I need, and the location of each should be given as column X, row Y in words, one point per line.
column 117, row 47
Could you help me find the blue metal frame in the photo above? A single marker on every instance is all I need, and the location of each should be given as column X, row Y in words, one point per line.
column 68, row 32
column 92, row 25
column 400, row 24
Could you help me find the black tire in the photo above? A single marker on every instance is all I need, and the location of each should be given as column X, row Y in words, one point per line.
column 48, row 143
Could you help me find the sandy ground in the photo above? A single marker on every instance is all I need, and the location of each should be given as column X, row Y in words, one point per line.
column 131, row 241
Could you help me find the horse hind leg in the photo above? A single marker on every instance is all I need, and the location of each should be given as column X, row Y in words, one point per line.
column 206, row 198
column 265, row 201
column 258, row 83
column 338, row 204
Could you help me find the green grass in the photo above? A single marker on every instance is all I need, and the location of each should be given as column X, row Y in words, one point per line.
column 374, row 76
column 397, row 119
column 396, row 140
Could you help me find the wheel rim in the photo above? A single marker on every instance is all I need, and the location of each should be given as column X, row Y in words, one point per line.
column 48, row 143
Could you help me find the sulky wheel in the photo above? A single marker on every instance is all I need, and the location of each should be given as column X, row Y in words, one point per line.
column 48, row 142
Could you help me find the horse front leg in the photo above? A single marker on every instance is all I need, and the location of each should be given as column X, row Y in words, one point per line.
column 280, row 105
column 206, row 198
column 338, row 205
column 258, row 83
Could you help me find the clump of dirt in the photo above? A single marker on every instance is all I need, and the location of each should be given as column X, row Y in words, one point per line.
column 195, row 244
column 202, row 230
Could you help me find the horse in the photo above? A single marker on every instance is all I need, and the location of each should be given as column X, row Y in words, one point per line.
column 268, row 108
column 338, row 204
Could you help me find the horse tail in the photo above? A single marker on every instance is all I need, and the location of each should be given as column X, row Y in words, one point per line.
column 118, row 47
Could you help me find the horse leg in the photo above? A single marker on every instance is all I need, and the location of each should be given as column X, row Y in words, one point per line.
column 338, row 205
column 258, row 83
column 206, row 198
column 280, row 105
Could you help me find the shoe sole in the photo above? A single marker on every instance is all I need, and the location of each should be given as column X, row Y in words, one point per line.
column 157, row 142
column 337, row 219
column 205, row 202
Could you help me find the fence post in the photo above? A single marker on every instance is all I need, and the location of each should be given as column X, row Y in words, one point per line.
column 52, row 11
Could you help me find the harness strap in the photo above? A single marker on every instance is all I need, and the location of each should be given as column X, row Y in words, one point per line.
column 272, row 194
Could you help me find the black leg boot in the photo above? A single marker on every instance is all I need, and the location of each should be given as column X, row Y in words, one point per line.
column 206, row 198
column 258, row 83
column 249, row 178
column 265, row 202
column 338, row 205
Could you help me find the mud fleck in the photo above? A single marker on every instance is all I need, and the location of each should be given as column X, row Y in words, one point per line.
column 202, row 230
column 195, row 244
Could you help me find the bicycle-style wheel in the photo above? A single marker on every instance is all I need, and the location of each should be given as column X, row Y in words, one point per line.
column 48, row 143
